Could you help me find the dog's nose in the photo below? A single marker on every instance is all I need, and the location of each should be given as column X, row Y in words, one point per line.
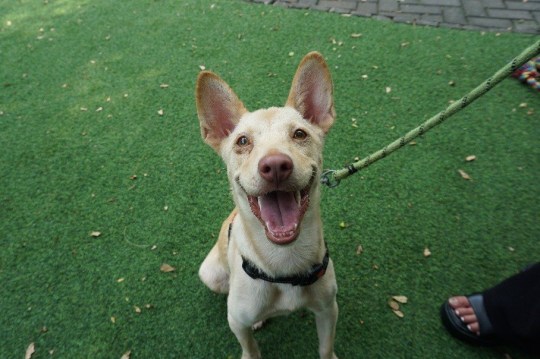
column 275, row 168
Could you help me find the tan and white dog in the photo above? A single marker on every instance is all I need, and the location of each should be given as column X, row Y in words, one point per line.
column 270, row 256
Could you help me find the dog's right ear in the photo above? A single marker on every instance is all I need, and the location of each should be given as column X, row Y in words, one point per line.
column 218, row 107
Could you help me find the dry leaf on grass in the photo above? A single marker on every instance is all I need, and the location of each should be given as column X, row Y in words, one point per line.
column 388, row 89
column 356, row 35
column 399, row 313
column 166, row 268
column 359, row 250
column 160, row 112
column 137, row 309
column 30, row 351
column 470, row 158
column 393, row 304
column 126, row 355
column 427, row 252
column 400, row 299
column 202, row 67
column 464, row 175
column 164, row 86
column 95, row 234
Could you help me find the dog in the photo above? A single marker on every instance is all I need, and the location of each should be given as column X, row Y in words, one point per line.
column 270, row 256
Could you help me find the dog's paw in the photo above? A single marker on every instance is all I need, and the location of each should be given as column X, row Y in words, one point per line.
column 258, row 325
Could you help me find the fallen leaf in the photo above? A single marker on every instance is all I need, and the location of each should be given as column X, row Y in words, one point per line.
column 342, row 225
column 400, row 299
column 359, row 250
column 166, row 268
column 356, row 35
column 202, row 67
column 126, row 355
column 464, row 175
column 164, row 86
column 29, row 351
column 393, row 304
column 99, row 109
column 399, row 313
column 291, row 54
column 133, row 177
column 137, row 309
column 113, row 320
column 523, row 105
column 427, row 252
column 470, row 158
column 120, row 280
column 95, row 234
column 388, row 89
column 160, row 112
column 452, row 83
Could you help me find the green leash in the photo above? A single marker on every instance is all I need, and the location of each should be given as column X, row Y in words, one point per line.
column 332, row 178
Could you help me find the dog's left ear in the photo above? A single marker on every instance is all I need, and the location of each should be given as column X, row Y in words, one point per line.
column 311, row 91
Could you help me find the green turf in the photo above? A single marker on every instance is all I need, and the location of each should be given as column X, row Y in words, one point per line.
column 79, row 100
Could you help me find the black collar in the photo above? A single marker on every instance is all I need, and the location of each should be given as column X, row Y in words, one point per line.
column 305, row 279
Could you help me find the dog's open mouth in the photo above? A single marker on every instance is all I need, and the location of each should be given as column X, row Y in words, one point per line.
column 281, row 213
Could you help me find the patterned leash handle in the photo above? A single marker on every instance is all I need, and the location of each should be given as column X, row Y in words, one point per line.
column 332, row 178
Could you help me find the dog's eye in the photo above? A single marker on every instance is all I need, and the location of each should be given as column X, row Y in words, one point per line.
column 242, row 141
column 299, row 135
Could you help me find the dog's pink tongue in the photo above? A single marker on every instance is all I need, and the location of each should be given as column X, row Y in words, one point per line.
column 279, row 211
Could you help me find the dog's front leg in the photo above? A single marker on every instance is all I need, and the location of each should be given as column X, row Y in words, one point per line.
column 244, row 334
column 326, row 330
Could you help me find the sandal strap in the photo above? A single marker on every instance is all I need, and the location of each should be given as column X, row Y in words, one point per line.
column 477, row 304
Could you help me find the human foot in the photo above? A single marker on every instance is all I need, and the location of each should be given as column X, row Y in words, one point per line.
column 465, row 317
column 462, row 308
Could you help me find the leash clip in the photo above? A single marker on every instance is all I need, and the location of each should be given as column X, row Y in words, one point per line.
column 328, row 178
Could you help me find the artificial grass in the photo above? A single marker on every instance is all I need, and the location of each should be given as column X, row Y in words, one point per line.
column 84, row 149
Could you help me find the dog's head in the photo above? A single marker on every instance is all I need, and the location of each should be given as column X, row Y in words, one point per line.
column 273, row 156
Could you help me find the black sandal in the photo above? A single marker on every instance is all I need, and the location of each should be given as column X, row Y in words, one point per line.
column 458, row 329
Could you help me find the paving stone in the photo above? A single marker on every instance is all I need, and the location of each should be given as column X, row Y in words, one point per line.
column 474, row 8
column 490, row 22
column 367, row 8
column 487, row 15
column 530, row 27
column 493, row 3
column 421, row 9
column 454, row 15
column 339, row 4
column 520, row 5
column 388, row 5
column 442, row 2
column 509, row 14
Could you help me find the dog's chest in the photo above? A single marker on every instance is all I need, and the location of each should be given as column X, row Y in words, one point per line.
column 283, row 299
